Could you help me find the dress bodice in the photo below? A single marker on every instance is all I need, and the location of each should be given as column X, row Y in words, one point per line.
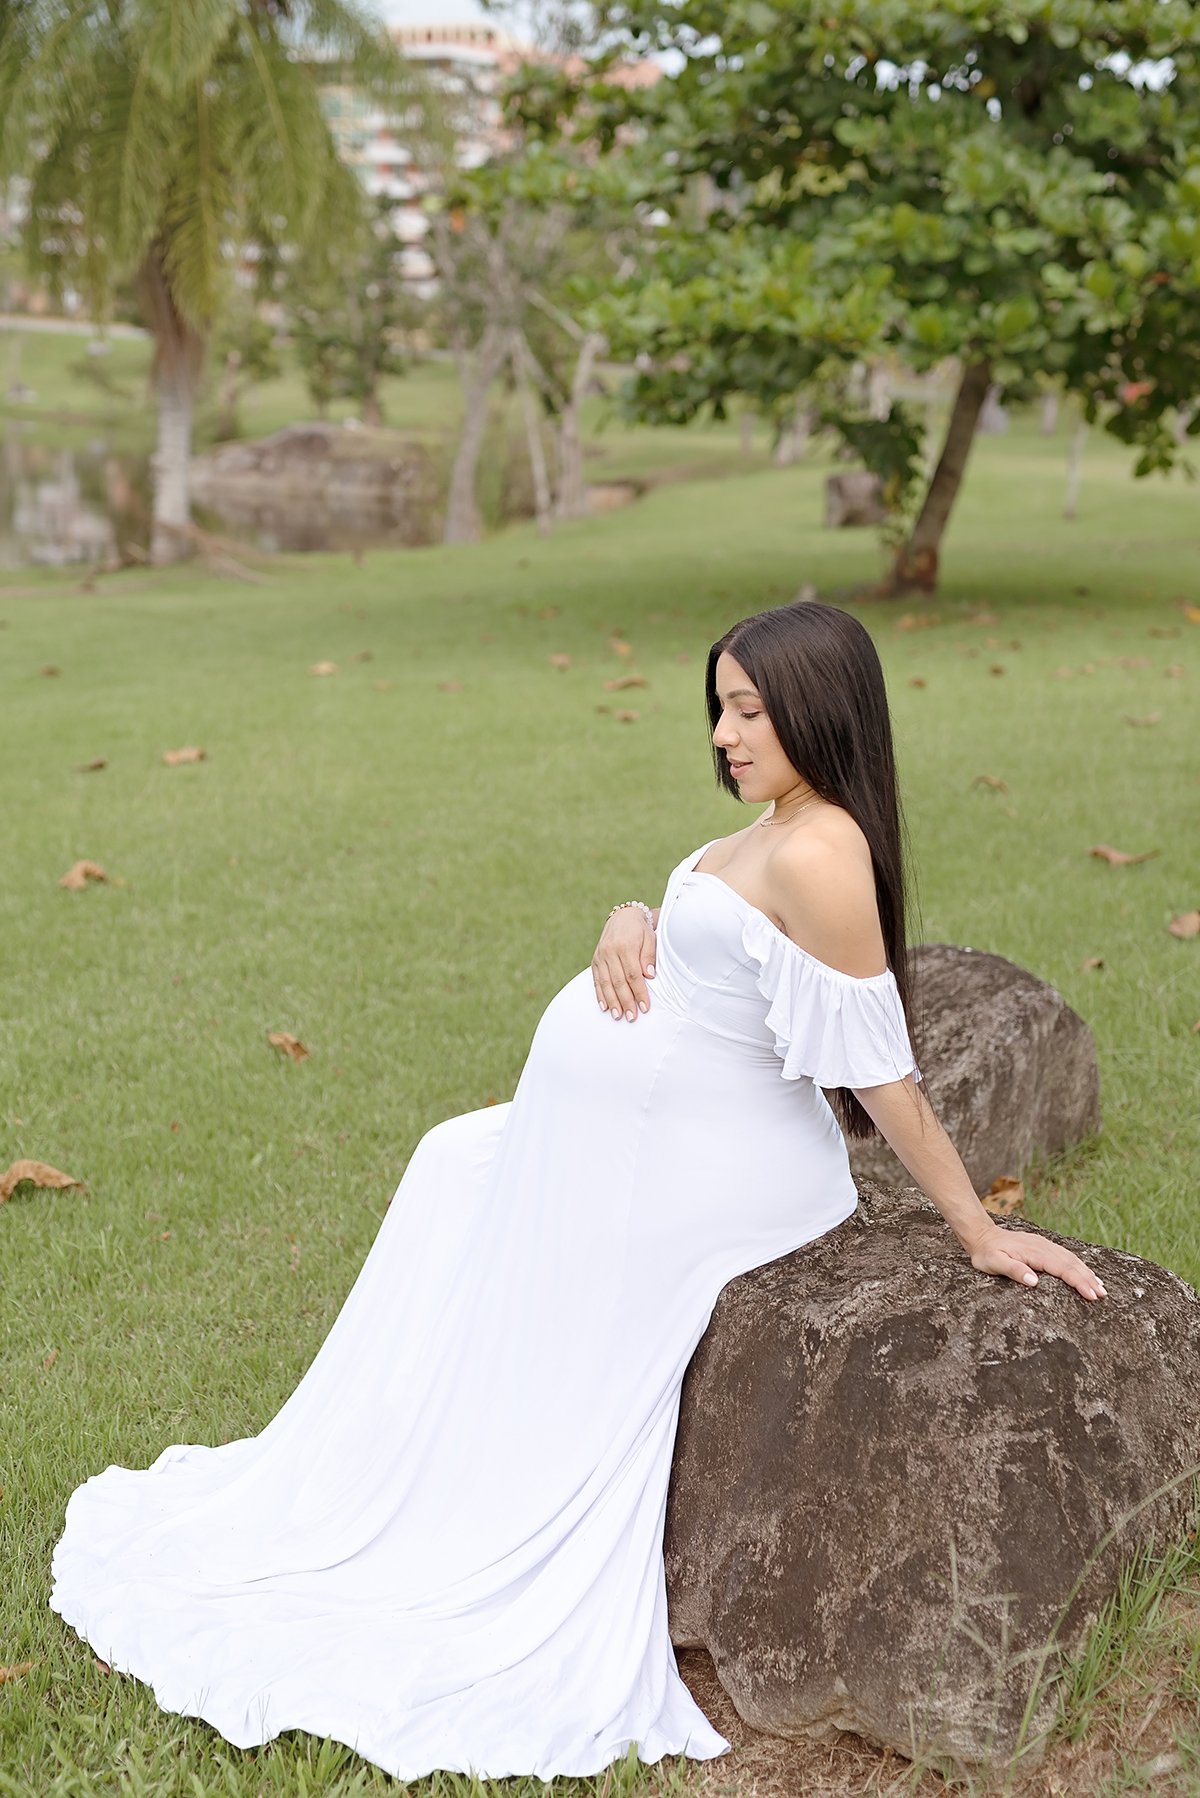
column 722, row 962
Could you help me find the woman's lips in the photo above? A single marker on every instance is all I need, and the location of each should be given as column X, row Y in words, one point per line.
column 738, row 768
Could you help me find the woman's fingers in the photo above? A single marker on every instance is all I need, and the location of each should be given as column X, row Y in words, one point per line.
column 1019, row 1256
column 620, row 974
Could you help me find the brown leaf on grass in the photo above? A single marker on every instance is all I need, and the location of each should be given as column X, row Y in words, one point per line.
column 1192, row 614
column 363, row 655
column 990, row 780
column 626, row 680
column 1195, row 1032
column 323, row 668
column 449, row 686
column 78, row 875
column 917, row 680
column 560, row 661
column 178, row 758
column 1164, row 630
column 1134, row 662
column 627, row 717
column 997, row 668
column 1174, row 671
column 383, row 686
column 1117, row 858
column 917, row 621
column 50, row 671
column 1062, row 673
column 683, row 656
column 1148, row 719
column 91, row 767
column 16, row 1671
column 288, row 1045
column 984, row 617
column 37, row 1173
column 549, row 611
column 1004, row 1196
column 49, row 1360
column 619, row 647
column 1186, row 925
column 1091, row 963
column 102, row 1666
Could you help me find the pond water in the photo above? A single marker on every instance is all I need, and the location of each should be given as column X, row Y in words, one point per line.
column 90, row 506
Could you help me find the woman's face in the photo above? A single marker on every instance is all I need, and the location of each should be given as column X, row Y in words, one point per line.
column 745, row 734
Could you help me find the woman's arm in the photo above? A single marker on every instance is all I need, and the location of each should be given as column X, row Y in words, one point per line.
column 906, row 1120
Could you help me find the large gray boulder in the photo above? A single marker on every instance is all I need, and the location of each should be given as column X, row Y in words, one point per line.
column 896, row 1480
column 1008, row 1067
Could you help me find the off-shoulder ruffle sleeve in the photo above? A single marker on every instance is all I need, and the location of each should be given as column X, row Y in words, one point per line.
column 830, row 1027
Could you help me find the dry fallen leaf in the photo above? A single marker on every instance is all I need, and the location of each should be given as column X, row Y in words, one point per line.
column 627, row 717
column 1186, row 925
column 1164, row 630
column 78, row 875
column 1062, row 673
column 997, row 668
column 1117, row 858
column 1090, row 962
column 363, row 655
column 50, row 670
column 1004, row 1196
column 91, row 767
column 626, row 680
column 14, row 1672
column 561, row 662
column 917, row 621
column 1195, row 1032
column 449, row 686
column 1149, row 718
column 620, row 647
column 990, row 780
column 324, row 668
column 103, row 1666
column 983, row 617
column 1192, row 614
column 383, row 686
column 49, row 1360
column 288, row 1045
column 1174, row 671
column 176, row 758
column 38, row 1173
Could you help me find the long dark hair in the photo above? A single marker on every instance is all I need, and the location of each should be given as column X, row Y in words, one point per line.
column 822, row 687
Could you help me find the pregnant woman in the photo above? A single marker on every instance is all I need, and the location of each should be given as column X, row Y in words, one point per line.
column 445, row 1550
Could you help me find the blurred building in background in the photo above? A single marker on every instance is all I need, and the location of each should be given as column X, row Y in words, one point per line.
column 468, row 64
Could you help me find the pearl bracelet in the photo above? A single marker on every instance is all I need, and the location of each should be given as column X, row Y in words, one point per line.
column 642, row 907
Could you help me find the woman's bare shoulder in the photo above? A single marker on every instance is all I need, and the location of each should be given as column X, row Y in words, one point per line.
column 822, row 884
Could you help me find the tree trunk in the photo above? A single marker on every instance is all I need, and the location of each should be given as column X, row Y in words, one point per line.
column 1075, row 469
column 463, row 521
column 178, row 359
column 372, row 410
column 571, row 500
column 916, row 564
column 792, row 444
column 1049, row 412
column 227, row 405
column 170, row 539
column 519, row 350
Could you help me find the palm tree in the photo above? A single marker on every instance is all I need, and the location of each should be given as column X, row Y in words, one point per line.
column 168, row 143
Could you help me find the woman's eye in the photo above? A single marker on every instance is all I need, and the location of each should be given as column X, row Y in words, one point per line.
column 747, row 714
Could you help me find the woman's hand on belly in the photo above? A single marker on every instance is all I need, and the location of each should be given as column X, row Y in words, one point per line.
column 623, row 962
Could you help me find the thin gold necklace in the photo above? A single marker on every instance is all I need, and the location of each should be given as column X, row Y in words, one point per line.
column 811, row 800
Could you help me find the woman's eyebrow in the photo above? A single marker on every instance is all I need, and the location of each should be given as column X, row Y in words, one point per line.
column 737, row 692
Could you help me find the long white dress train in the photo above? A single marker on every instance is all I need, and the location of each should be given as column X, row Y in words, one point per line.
column 445, row 1550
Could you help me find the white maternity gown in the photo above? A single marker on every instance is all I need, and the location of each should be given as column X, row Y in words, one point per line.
column 445, row 1550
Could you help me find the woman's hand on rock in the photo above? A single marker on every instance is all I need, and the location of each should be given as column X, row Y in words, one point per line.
column 623, row 962
column 1021, row 1256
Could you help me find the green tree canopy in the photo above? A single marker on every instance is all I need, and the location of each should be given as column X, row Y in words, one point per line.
column 1016, row 186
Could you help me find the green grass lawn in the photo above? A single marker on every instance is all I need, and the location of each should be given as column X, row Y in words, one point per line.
column 402, row 863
